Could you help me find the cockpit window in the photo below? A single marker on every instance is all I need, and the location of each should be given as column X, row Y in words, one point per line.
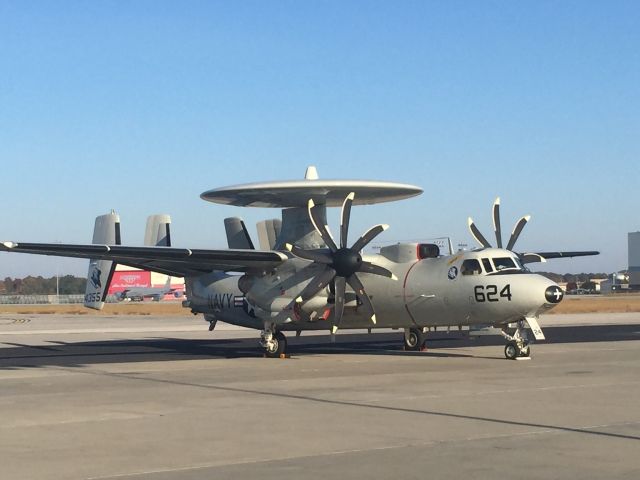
column 471, row 266
column 487, row 265
column 521, row 265
column 503, row 263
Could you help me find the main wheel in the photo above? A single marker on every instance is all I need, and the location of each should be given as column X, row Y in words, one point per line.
column 413, row 340
column 511, row 350
column 278, row 346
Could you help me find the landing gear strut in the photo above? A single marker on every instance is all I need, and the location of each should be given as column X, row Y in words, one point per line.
column 518, row 343
column 274, row 342
column 413, row 339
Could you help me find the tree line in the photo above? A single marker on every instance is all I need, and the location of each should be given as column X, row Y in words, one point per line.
column 67, row 285
column 578, row 278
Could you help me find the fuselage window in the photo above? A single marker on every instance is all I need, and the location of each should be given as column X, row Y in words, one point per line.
column 503, row 263
column 471, row 266
column 487, row 265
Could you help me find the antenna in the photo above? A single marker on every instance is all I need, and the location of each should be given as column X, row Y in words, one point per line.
column 311, row 173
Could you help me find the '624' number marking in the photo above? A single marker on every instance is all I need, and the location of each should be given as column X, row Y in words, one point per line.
column 489, row 293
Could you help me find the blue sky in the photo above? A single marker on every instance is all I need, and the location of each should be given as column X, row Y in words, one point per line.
column 141, row 106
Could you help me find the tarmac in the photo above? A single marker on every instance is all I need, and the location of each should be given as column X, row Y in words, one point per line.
column 150, row 398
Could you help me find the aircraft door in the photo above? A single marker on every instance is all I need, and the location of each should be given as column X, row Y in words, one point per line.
column 425, row 293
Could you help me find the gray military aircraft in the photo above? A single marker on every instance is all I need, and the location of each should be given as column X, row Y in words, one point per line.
column 304, row 279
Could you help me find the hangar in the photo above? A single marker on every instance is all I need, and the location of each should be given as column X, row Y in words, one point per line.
column 634, row 260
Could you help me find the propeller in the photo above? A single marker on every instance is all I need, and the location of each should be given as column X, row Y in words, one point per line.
column 529, row 257
column 517, row 229
column 341, row 263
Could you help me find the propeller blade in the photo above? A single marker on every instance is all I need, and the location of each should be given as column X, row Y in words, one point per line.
column 517, row 230
column 357, row 286
column 318, row 282
column 368, row 267
column 318, row 256
column 549, row 255
column 321, row 227
column 496, row 222
column 531, row 258
column 338, row 308
column 476, row 234
column 372, row 233
column 344, row 219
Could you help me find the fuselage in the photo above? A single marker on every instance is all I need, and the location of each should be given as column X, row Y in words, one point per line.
column 481, row 287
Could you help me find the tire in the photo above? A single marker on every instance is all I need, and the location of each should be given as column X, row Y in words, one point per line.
column 414, row 341
column 279, row 346
column 511, row 350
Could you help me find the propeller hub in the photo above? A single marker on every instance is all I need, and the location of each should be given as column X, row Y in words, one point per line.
column 346, row 262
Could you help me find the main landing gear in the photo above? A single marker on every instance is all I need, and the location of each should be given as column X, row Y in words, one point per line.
column 518, row 344
column 414, row 339
column 273, row 341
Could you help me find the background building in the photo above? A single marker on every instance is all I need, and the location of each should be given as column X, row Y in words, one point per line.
column 634, row 260
column 127, row 278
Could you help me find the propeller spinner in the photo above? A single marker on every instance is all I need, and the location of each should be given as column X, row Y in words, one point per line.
column 341, row 263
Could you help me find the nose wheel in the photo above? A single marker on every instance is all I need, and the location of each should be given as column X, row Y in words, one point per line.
column 518, row 343
column 513, row 350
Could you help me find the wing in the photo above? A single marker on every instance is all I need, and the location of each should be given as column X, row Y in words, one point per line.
column 177, row 262
column 543, row 256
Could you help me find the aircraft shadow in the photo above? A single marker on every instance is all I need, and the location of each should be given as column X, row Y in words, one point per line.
column 56, row 353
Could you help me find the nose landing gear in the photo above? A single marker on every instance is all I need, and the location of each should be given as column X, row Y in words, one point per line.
column 513, row 350
column 518, row 344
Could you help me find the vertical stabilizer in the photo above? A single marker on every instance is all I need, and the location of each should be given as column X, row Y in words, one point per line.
column 105, row 232
column 158, row 231
column 237, row 234
column 268, row 231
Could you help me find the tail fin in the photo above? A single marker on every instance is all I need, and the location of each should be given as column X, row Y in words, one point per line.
column 105, row 232
column 158, row 231
column 237, row 234
column 268, row 231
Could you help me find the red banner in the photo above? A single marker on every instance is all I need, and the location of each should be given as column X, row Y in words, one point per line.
column 125, row 280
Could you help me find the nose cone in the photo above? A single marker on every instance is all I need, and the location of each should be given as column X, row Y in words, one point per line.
column 547, row 295
column 554, row 294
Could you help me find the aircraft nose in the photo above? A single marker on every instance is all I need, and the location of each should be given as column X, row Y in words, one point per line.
column 553, row 294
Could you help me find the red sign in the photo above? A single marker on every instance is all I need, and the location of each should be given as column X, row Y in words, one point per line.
column 125, row 280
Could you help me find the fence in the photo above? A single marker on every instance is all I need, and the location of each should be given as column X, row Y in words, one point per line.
column 45, row 299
